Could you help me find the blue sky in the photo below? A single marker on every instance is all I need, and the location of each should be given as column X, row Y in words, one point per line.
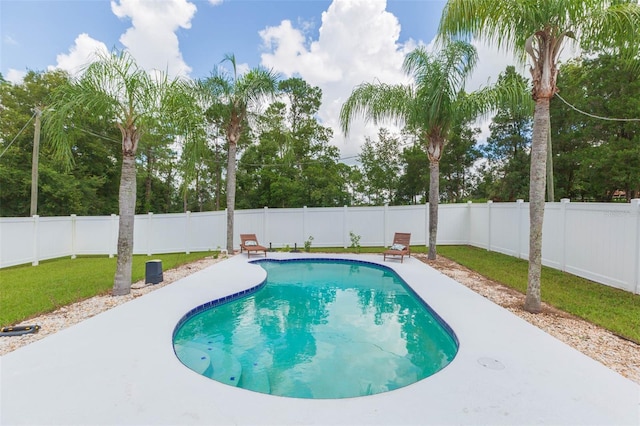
column 34, row 32
column 332, row 44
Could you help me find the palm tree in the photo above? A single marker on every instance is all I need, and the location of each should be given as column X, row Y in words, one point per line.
column 539, row 29
column 431, row 106
column 232, row 100
column 114, row 88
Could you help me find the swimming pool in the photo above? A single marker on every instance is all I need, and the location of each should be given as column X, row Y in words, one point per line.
column 317, row 328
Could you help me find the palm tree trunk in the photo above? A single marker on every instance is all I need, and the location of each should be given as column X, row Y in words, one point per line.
column 434, row 198
column 198, row 194
column 218, row 178
column 127, row 201
column 185, row 203
column 147, row 183
column 551, row 195
column 167, row 197
column 541, row 119
column 231, row 193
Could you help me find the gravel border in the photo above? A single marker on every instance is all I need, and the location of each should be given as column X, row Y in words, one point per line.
column 615, row 352
column 76, row 312
column 618, row 354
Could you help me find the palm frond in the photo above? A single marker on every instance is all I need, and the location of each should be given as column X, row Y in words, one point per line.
column 377, row 102
column 615, row 26
column 257, row 84
column 439, row 79
column 115, row 88
column 512, row 93
column 509, row 23
column 230, row 57
column 70, row 101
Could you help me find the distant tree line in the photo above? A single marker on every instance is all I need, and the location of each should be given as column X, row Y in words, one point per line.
column 285, row 158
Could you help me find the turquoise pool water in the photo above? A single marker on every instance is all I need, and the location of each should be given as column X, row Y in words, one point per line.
column 318, row 329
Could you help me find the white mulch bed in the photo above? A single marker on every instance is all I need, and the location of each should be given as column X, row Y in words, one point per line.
column 617, row 353
column 621, row 355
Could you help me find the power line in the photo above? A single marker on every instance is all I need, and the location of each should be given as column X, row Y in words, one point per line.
column 16, row 137
column 99, row 135
column 78, row 128
column 107, row 138
column 596, row 116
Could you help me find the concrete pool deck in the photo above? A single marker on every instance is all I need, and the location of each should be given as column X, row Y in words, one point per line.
column 119, row 368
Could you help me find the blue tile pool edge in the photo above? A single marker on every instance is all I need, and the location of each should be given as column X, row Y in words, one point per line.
column 212, row 304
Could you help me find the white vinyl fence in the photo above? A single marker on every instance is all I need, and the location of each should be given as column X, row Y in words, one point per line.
column 598, row 241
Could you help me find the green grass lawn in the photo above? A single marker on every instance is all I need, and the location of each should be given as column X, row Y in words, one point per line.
column 27, row 291
column 613, row 309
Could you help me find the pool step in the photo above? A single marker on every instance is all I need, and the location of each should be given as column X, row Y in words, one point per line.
column 226, row 367
column 206, row 359
column 255, row 380
column 194, row 357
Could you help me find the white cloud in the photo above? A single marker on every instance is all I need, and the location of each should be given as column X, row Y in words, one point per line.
column 152, row 39
column 215, row 2
column 242, row 68
column 358, row 42
column 80, row 54
column 7, row 39
column 15, row 76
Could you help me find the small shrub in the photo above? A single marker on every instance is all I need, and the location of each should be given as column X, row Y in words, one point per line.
column 355, row 241
column 307, row 244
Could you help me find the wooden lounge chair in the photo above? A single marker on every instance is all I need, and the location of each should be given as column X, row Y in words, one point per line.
column 400, row 246
column 249, row 242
